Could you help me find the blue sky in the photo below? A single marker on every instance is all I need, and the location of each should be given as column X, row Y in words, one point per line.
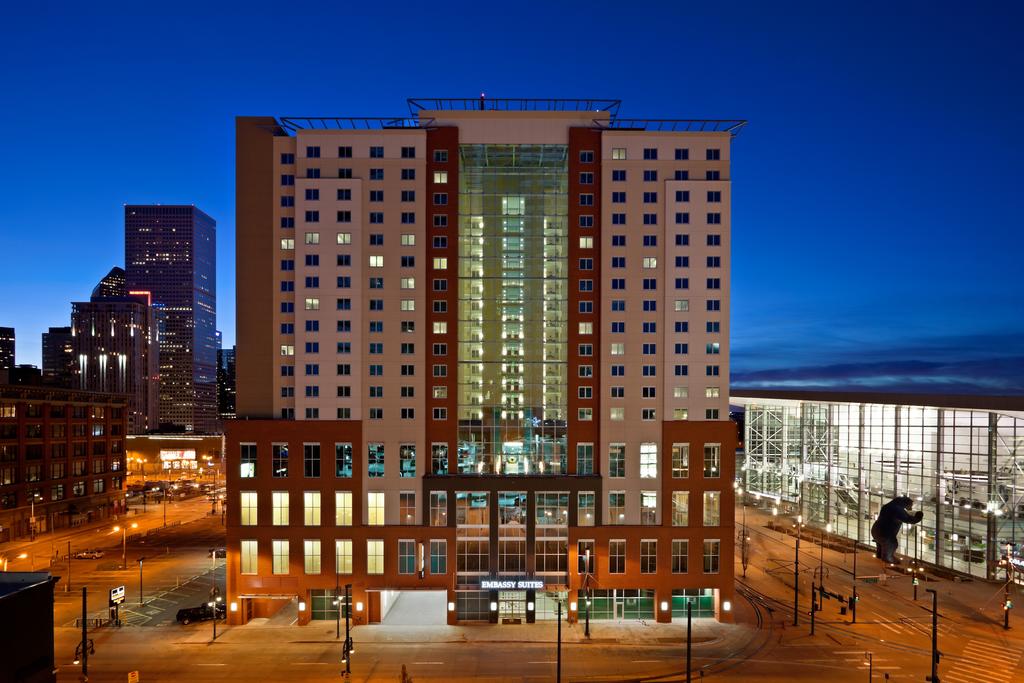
column 876, row 224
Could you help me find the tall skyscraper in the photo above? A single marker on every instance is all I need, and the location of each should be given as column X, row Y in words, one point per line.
column 58, row 355
column 116, row 350
column 484, row 351
column 170, row 252
column 7, row 351
column 226, row 383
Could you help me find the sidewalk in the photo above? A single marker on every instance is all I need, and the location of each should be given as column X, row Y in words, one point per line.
column 706, row 632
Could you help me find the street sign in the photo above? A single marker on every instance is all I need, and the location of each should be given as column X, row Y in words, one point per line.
column 116, row 595
column 133, row 677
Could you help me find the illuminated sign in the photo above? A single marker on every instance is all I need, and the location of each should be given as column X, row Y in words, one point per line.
column 170, row 454
column 511, row 584
column 116, row 595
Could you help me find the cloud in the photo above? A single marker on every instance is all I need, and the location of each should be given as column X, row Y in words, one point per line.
column 996, row 376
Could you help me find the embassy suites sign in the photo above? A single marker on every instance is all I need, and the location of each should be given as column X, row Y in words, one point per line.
column 511, row 584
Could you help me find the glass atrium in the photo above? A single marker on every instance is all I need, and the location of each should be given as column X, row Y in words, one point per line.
column 513, row 295
column 837, row 463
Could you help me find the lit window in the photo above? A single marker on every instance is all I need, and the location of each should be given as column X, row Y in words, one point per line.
column 617, row 414
column 586, row 328
column 712, row 508
column 343, row 556
column 375, row 557
column 408, row 239
column 279, row 501
column 440, row 263
column 280, row 554
column 440, row 177
column 344, row 238
column 249, row 557
column 343, row 508
column 311, row 508
column 648, row 461
column 408, row 283
column 440, row 327
column 618, row 153
column 376, row 261
column 248, row 508
column 375, row 508
column 311, row 556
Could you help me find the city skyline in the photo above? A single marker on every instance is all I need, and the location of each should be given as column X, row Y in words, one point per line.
column 848, row 165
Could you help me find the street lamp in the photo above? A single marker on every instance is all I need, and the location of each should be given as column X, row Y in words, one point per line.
column 32, row 516
column 124, row 542
column 934, row 678
column 347, row 649
column 871, row 665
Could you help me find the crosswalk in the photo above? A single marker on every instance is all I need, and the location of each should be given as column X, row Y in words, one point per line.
column 984, row 662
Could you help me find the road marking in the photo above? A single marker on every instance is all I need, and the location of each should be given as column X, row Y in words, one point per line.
column 985, row 661
column 209, row 664
column 646, row 661
column 425, row 663
column 550, row 662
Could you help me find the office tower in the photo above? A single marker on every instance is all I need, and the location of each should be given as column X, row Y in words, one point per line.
column 226, row 383
column 170, row 252
column 116, row 350
column 7, row 351
column 113, row 284
column 58, row 355
column 483, row 352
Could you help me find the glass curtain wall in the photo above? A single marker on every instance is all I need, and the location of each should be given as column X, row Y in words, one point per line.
column 513, row 298
column 838, row 463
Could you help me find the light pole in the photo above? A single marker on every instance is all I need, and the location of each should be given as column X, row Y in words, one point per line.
column 67, row 584
column 934, row 678
column 214, row 591
column 871, row 665
column 337, row 605
column 140, row 580
column 853, row 600
column 124, row 542
column 347, row 649
column 586, row 581
column 558, row 663
column 32, row 516
column 689, row 635
column 796, row 572
column 1007, row 603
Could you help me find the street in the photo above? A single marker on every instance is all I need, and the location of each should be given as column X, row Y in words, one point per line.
column 763, row 645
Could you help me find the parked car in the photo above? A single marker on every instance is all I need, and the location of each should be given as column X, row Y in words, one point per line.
column 88, row 554
column 204, row 612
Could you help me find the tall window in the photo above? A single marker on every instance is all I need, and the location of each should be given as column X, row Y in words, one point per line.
column 585, row 550
column 648, row 556
column 311, row 460
column 680, row 556
column 406, row 557
column 680, row 460
column 712, row 549
column 280, row 555
column 616, row 507
column 375, row 508
column 712, row 460
column 311, row 556
column 617, row 460
column 585, row 508
column 280, row 460
column 680, row 508
column 343, row 556
column 439, row 458
column 585, row 458
column 649, row 507
column 311, row 508
column 648, row 461
column 438, row 508
column 407, row 507
column 407, row 460
column 248, row 557
column 375, row 460
column 616, row 557
column 438, row 557
column 375, row 556
column 712, row 508
column 247, row 466
column 280, row 508
column 343, row 460
column 343, row 508
column 247, row 506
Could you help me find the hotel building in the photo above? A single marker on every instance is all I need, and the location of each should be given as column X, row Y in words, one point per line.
column 483, row 354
